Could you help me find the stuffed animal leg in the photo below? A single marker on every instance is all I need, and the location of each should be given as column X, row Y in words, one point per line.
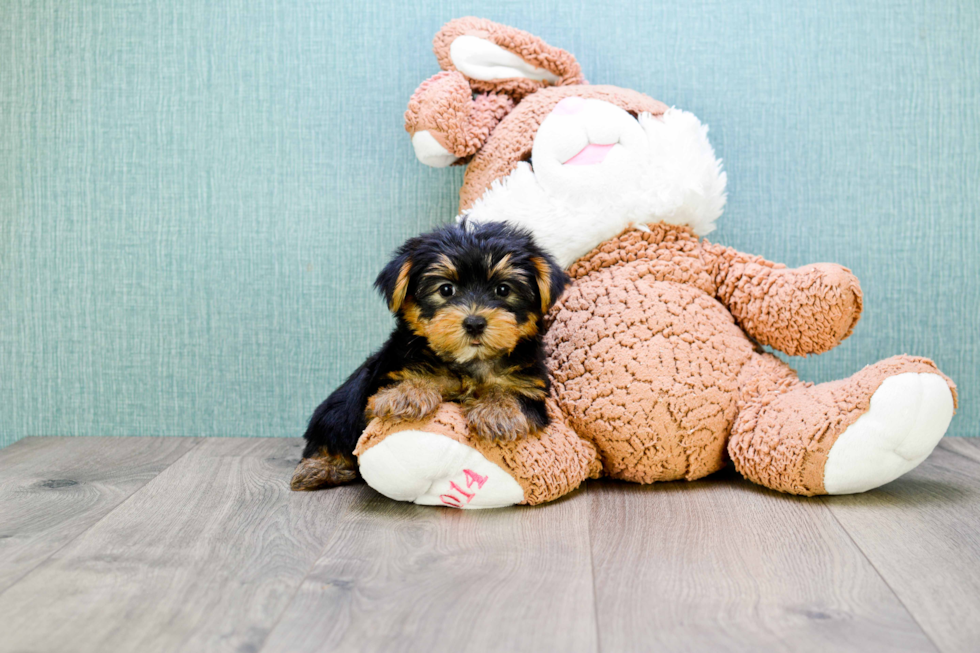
column 838, row 437
column 438, row 461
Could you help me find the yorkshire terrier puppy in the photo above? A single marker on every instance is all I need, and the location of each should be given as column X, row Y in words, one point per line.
column 469, row 300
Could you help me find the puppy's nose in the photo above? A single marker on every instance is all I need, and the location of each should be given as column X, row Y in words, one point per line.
column 474, row 324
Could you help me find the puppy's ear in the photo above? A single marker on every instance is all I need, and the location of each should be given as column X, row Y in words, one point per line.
column 551, row 279
column 393, row 281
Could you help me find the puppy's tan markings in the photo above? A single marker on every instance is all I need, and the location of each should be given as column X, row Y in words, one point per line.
column 401, row 287
column 501, row 267
column 544, row 282
column 505, row 270
column 497, row 416
column 413, row 316
column 502, row 332
column 444, row 268
column 512, row 382
column 529, row 329
column 447, row 383
column 445, row 331
column 411, row 399
column 447, row 336
column 323, row 470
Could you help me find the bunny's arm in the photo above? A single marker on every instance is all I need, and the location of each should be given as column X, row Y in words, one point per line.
column 799, row 311
column 447, row 123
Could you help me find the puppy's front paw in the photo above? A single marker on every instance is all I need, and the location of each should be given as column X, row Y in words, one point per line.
column 498, row 417
column 409, row 400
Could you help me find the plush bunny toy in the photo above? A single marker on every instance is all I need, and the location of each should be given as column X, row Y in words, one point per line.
column 655, row 354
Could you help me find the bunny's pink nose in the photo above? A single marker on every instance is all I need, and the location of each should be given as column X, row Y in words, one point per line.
column 570, row 105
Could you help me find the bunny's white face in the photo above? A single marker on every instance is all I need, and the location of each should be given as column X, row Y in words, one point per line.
column 596, row 170
column 583, row 145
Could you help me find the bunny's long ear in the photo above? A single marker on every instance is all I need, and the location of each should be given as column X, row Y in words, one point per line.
column 500, row 59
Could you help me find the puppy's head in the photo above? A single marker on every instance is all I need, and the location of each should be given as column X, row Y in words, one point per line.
column 474, row 291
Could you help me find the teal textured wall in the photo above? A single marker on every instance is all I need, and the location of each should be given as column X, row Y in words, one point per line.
column 195, row 196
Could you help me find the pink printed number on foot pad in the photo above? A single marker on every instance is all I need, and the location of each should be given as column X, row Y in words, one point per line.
column 472, row 478
column 433, row 470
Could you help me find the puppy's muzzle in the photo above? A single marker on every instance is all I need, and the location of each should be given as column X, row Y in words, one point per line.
column 474, row 324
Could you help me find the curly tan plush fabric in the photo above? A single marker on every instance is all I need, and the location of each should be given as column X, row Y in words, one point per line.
column 651, row 360
column 800, row 311
column 528, row 47
column 785, row 428
column 546, row 466
column 444, row 106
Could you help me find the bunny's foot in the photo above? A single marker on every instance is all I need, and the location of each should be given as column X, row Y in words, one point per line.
column 439, row 461
column 431, row 469
column 907, row 416
column 839, row 437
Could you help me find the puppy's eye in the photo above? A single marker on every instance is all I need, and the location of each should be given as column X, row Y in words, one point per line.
column 503, row 290
column 447, row 290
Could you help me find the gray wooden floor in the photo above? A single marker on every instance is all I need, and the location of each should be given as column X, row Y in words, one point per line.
column 179, row 544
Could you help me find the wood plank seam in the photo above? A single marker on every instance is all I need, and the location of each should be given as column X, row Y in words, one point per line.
column 292, row 597
column 595, row 600
column 722, row 564
column 956, row 450
column 196, row 443
column 156, row 576
column 921, row 533
column 454, row 562
column 823, row 501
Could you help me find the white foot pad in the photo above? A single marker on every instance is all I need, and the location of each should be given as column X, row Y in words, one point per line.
column 433, row 470
column 909, row 414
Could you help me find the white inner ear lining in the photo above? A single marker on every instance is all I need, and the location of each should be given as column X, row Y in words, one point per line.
column 485, row 61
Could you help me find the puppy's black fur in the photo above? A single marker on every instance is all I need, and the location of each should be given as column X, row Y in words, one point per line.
column 468, row 301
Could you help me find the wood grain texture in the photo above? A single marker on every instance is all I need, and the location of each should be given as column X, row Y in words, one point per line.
column 203, row 558
column 922, row 533
column 399, row 577
column 52, row 489
column 215, row 554
column 722, row 565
